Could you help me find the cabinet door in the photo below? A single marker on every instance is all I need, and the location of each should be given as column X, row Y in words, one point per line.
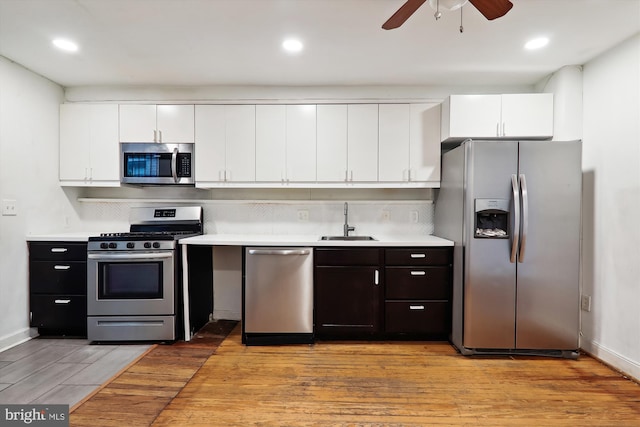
column 424, row 143
column 105, row 150
column 301, row 142
column 75, row 142
column 347, row 300
column 138, row 123
column 270, row 142
column 527, row 115
column 476, row 116
column 362, row 142
column 332, row 142
column 210, row 143
column 393, row 154
column 240, row 143
column 175, row 123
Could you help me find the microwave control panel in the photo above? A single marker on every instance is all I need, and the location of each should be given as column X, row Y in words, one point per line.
column 184, row 164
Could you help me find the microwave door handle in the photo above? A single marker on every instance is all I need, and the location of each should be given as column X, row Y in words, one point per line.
column 174, row 164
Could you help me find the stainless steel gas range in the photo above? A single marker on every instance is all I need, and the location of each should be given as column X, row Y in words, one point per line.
column 134, row 278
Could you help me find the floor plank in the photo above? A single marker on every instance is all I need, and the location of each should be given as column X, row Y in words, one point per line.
column 107, row 366
column 65, row 395
column 397, row 383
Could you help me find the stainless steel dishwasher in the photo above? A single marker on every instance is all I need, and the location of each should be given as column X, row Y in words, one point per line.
column 277, row 295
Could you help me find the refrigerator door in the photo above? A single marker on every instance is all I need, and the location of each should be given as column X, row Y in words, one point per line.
column 489, row 276
column 549, row 258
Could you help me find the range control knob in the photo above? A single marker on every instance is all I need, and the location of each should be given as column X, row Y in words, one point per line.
column 113, row 245
column 156, row 245
column 147, row 245
column 104, row 245
column 130, row 245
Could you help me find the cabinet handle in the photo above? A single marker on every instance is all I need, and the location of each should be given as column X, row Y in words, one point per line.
column 418, row 273
column 498, row 129
column 61, row 267
column 159, row 136
column 416, row 307
column 351, row 175
column 62, row 301
column 504, row 129
column 418, row 255
column 409, row 172
column 376, row 277
column 90, row 174
column 155, row 136
column 59, row 250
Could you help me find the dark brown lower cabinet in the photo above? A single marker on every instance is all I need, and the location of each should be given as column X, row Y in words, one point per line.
column 348, row 292
column 379, row 293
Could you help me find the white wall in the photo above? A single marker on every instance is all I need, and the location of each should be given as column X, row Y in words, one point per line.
column 611, row 206
column 566, row 86
column 28, row 175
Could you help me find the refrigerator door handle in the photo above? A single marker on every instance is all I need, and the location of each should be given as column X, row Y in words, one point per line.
column 525, row 217
column 516, row 218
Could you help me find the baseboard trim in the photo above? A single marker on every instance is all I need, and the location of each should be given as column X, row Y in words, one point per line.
column 8, row 341
column 227, row 315
column 624, row 365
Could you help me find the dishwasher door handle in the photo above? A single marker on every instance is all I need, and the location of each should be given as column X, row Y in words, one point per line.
column 279, row 251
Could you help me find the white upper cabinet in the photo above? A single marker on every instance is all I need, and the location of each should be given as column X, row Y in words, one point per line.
column 301, row 143
column 271, row 145
column 394, row 131
column 424, row 144
column 512, row 116
column 225, row 143
column 285, row 143
column 89, row 150
column 332, row 143
column 157, row 123
column 362, row 142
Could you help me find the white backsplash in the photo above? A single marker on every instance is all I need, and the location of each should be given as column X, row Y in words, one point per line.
column 282, row 217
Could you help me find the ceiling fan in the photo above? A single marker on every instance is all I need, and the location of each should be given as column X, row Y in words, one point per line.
column 491, row 9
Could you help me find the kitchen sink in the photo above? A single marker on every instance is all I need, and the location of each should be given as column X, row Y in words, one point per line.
column 347, row 238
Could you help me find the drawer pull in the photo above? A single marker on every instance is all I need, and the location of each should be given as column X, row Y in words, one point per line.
column 418, row 273
column 376, row 277
column 418, row 255
column 59, row 250
column 62, row 301
column 416, row 307
column 61, row 267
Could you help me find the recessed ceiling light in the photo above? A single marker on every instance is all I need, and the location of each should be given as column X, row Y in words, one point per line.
column 292, row 45
column 536, row 43
column 66, row 45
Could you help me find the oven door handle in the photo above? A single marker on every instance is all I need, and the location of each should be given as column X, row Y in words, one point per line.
column 129, row 256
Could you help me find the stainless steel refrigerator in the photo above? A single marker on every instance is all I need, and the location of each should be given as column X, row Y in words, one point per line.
column 513, row 210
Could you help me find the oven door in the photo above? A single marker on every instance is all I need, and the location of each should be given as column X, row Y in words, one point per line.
column 130, row 283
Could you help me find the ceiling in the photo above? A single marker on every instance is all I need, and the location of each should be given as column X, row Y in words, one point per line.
column 238, row 42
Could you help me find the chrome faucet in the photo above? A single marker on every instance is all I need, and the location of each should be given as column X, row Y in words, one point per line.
column 346, row 228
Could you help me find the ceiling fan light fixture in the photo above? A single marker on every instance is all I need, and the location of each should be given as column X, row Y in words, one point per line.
column 447, row 5
column 537, row 43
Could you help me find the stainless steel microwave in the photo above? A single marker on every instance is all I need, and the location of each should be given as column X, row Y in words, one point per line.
column 156, row 164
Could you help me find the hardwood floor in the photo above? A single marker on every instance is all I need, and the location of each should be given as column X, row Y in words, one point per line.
column 397, row 384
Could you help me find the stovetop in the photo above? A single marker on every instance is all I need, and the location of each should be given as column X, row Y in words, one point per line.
column 142, row 235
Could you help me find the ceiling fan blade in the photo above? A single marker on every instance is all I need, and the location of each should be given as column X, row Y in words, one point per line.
column 492, row 9
column 402, row 14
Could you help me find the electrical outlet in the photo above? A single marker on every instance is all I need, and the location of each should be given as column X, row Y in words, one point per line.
column 585, row 303
column 386, row 215
column 413, row 216
column 9, row 207
column 303, row 215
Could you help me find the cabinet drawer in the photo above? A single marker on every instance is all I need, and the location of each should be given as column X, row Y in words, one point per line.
column 58, row 251
column 347, row 256
column 55, row 277
column 61, row 313
column 417, row 317
column 417, row 283
column 418, row 256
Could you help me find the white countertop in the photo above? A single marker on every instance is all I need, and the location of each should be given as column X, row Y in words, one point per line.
column 310, row 240
column 77, row 236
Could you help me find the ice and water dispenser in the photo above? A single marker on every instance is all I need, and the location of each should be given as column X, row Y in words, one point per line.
column 492, row 218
